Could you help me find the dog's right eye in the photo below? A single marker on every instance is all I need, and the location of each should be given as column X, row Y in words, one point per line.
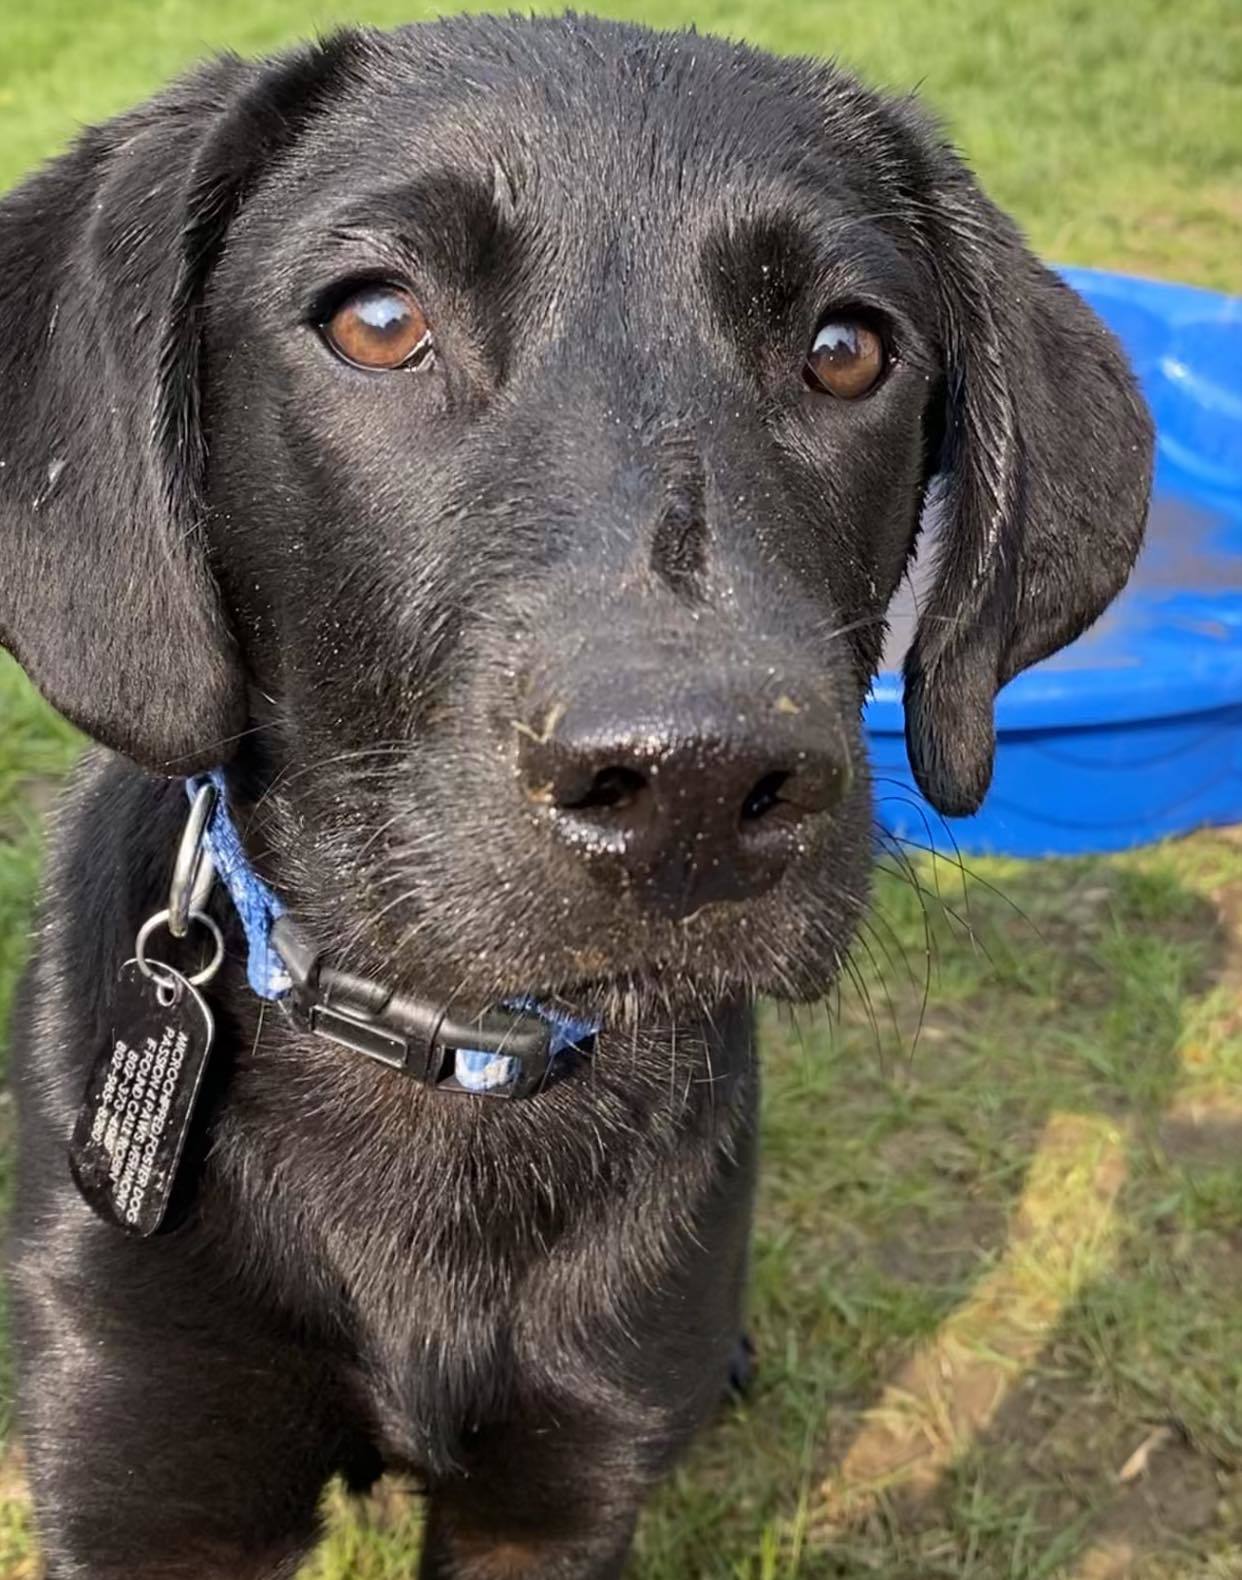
column 380, row 328
column 847, row 358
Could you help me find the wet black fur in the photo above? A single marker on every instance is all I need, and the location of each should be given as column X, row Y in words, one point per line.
column 217, row 543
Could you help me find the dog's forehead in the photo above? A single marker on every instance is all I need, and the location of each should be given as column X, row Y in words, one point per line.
column 590, row 120
column 583, row 86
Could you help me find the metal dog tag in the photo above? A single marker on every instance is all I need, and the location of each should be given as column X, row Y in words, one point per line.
column 135, row 1116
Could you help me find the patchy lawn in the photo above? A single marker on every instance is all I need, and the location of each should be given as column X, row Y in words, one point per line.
column 998, row 1266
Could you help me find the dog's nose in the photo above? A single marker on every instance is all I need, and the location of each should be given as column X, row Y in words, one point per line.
column 707, row 795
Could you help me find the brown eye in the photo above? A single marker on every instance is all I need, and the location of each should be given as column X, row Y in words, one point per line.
column 379, row 327
column 846, row 359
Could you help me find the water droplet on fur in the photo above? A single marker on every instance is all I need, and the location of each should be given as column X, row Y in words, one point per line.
column 55, row 471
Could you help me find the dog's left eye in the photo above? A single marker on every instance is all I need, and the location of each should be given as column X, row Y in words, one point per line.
column 379, row 327
column 847, row 358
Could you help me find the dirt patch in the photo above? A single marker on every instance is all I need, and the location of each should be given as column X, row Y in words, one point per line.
column 28, row 805
column 1181, row 1492
column 13, row 1476
column 1202, row 1135
column 941, row 1250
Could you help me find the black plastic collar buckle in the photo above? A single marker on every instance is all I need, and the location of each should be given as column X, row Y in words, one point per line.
column 407, row 1034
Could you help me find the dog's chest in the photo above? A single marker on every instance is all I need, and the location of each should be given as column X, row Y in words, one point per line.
column 474, row 1260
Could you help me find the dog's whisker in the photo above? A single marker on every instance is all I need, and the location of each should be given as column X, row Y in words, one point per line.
column 861, row 942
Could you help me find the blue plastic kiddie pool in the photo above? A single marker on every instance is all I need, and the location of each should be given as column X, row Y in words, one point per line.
column 1134, row 732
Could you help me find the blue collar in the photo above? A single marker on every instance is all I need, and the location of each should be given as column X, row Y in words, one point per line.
column 259, row 909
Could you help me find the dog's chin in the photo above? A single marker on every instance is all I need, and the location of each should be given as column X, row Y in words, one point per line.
column 660, row 991
column 644, row 996
column 624, row 988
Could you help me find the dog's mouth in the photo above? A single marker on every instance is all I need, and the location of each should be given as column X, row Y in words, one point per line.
column 636, row 973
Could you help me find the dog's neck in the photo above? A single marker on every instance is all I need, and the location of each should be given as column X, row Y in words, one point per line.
column 511, row 1051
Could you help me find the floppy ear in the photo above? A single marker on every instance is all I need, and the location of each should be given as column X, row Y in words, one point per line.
column 1043, row 489
column 105, row 593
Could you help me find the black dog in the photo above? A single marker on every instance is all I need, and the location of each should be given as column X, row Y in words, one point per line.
column 498, row 443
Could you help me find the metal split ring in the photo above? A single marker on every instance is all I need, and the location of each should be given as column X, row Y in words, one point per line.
column 151, row 969
column 193, row 870
column 170, row 986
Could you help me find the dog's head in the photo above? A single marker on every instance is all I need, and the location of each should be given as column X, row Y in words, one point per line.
column 502, row 439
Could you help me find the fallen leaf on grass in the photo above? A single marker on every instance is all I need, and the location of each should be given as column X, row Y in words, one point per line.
column 1138, row 1461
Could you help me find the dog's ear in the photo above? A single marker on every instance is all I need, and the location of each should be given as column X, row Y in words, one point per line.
column 106, row 597
column 1042, row 491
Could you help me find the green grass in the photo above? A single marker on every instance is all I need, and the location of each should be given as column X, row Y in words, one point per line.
column 999, row 1245
column 1113, row 130
column 36, row 747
